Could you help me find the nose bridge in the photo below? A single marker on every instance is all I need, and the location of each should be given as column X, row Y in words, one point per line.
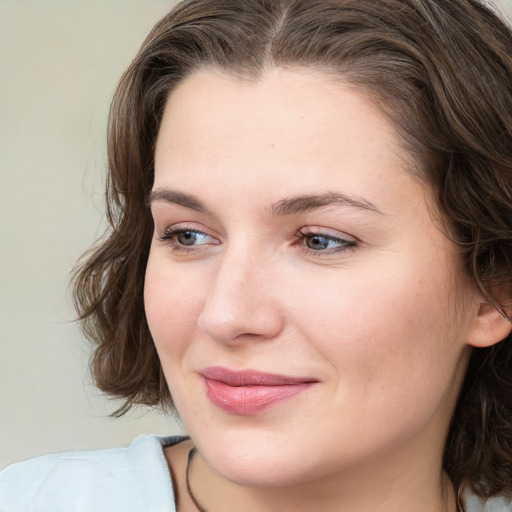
column 241, row 299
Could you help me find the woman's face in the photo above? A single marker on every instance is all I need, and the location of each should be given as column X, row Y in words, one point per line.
column 310, row 316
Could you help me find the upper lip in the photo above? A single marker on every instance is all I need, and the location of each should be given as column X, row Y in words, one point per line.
column 251, row 377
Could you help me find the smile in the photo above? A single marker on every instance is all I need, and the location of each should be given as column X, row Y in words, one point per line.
column 249, row 392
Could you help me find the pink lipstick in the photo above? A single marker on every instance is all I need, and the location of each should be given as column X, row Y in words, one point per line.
column 248, row 392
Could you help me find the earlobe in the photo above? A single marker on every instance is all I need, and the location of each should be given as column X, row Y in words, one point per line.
column 489, row 326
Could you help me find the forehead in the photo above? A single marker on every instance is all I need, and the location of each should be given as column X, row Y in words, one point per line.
column 296, row 129
column 302, row 99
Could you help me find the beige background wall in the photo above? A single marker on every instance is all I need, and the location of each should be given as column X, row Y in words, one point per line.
column 59, row 62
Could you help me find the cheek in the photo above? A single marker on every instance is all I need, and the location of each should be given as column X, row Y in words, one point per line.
column 388, row 331
column 172, row 302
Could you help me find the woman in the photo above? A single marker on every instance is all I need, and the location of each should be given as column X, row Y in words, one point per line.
column 310, row 205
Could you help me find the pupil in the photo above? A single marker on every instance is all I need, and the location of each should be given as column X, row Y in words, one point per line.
column 318, row 242
column 187, row 238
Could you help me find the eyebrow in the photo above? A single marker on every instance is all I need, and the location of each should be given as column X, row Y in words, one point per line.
column 287, row 206
column 179, row 198
column 305, row 203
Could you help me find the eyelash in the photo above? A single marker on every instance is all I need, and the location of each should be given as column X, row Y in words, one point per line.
column 345, row 244
column 170, row 235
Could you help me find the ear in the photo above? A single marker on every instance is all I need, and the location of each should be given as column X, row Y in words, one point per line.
column 489, row 326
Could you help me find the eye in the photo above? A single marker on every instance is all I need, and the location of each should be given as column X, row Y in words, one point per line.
column 191, row 238
column 185, row 239
column 324, row 243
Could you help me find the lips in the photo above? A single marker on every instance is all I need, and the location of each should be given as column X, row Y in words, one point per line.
column 249, row 392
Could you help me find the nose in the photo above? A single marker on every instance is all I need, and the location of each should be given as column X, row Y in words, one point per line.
column 242, row 304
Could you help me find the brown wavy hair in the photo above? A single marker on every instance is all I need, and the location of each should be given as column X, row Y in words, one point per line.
column 440, row 70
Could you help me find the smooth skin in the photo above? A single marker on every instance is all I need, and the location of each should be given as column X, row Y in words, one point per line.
column 354, row 285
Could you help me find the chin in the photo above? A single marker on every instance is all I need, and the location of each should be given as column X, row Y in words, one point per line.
column 256, row 459
column 261, row 471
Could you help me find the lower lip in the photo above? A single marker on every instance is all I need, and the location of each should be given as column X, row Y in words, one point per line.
column 250, row 400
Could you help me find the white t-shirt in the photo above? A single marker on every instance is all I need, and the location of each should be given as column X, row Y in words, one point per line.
column 133, row 479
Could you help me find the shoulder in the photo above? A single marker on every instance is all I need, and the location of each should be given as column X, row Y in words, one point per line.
column 131, row 479
column 473, row 503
